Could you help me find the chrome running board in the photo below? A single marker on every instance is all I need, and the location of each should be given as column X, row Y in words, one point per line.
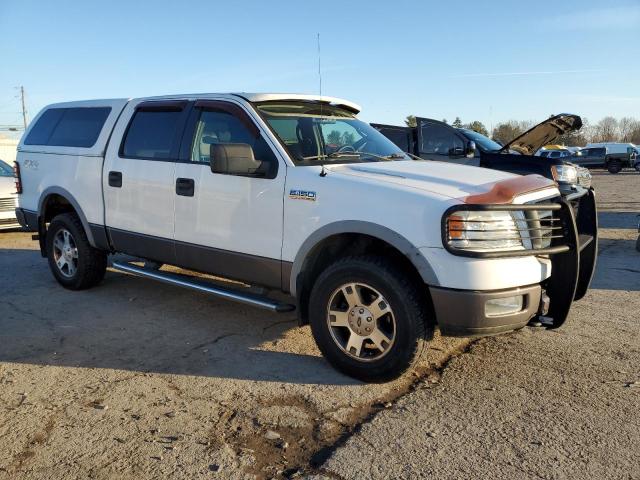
column 206, row 287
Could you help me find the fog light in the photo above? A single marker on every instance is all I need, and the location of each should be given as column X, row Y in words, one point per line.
column 503, row 306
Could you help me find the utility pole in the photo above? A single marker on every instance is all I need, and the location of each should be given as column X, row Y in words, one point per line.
column 24, row 110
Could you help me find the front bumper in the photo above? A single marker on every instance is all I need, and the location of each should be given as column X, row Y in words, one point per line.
column 462, row 313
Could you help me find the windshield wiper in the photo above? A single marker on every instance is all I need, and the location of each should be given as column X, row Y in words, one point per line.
column 333, row 155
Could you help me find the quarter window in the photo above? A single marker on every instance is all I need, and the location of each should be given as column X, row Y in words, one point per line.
column 152, row 134
column 68, row 127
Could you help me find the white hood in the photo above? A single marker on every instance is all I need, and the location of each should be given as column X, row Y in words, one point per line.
column 446, row 179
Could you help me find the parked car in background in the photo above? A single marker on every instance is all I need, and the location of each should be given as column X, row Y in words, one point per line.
column 555, row 153
column 435, row 140
column 591, row 157
column 7, row 197
column 618, row 155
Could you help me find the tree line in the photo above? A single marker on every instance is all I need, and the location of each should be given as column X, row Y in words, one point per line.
column 609, row 129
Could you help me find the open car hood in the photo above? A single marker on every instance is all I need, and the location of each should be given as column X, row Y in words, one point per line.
column 543, row 134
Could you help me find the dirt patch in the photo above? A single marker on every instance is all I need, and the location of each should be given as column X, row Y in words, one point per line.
column 289, row 436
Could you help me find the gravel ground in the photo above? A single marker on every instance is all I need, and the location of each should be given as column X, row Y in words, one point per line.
column 134, row 379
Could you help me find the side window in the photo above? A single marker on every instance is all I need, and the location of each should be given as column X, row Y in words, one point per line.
column 69, row 127
column 439, row 140
column 152, row 134
column 217, row 126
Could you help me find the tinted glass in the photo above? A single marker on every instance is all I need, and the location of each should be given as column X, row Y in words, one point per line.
column 483, row 143
column 598, row 151
column 42, row 130
column 79, row 127
column 5, row 170
column 439, row 140
column 151, row 134
column 68, row 127
column 318, row 133
column 222, row 127
column 399, row 137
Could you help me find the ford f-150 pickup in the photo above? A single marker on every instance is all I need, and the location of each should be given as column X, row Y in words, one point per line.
column 294, row 194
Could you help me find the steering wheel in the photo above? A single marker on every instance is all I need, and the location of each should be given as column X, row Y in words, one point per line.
column 346, row 148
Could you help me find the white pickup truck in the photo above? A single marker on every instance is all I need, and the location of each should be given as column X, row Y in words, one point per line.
column 294, row 194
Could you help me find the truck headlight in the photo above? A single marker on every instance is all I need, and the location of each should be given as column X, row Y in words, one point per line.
column 482, row 230
column 564, row 173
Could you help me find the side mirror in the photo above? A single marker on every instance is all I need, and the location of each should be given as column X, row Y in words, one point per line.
column 456, row 152
column 233, row 159
column 470, row 151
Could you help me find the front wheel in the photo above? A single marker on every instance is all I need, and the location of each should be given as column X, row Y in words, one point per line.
column 73, row 261
column 368, row 318
column 637, row 167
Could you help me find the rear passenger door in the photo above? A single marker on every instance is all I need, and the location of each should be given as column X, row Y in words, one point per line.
column 229, row 225
column 138, row 179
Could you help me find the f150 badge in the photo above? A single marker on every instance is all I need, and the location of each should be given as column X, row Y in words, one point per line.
column 302, row 195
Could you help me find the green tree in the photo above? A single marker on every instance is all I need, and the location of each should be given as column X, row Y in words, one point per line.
column 507, row 131
column 410, row 121
column 457, row 123
column 348, row 138
column 478, row 127
column 334, row 137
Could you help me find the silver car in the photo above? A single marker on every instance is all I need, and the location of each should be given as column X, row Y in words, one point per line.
column 8, row 197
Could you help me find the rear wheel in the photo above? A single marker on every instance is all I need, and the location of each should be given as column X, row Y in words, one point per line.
column 368, row 318
column 637, row 167
column 73, row 261
column 614, row 166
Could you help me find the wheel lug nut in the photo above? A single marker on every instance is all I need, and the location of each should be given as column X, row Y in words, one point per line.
column 369, row 319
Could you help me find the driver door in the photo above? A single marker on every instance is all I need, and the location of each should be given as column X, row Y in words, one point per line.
column 228, row 225
column 439, row 141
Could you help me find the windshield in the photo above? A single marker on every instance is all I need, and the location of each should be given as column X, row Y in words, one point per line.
column 485, row 144
column 5, row 170
column 315, row 133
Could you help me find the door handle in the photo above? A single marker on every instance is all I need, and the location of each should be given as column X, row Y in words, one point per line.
column 185, row 187
column 115, row 179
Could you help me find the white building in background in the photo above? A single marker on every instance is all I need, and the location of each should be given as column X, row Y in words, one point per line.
column 8, row 147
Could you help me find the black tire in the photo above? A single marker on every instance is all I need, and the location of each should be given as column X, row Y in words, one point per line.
column 637, row 167
column 91, row 262
column 638, row 244
column 411, row 325
column 614, row 166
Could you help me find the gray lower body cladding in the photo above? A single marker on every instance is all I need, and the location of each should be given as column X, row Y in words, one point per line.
column 462, row 313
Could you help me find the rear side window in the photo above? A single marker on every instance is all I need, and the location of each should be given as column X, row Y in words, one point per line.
column 68, row 127
column 152, row 134
column 599, row 151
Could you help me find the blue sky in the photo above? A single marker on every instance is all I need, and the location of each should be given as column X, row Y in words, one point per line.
column 490, row 61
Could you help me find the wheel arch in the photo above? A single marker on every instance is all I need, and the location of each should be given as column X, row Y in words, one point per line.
column 54, row 200
column 346, row 238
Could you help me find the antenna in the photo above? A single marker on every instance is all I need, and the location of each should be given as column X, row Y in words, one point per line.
column 323, row 171
column 319, row 67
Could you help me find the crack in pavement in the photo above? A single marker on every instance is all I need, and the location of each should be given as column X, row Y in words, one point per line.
column 323, row 454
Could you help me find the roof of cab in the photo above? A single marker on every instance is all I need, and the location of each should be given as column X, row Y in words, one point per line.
column 266, row 97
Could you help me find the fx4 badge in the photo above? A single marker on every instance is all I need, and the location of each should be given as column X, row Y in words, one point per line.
column 302, row 195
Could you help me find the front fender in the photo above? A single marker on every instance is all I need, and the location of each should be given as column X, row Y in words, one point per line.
column 365, row 228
